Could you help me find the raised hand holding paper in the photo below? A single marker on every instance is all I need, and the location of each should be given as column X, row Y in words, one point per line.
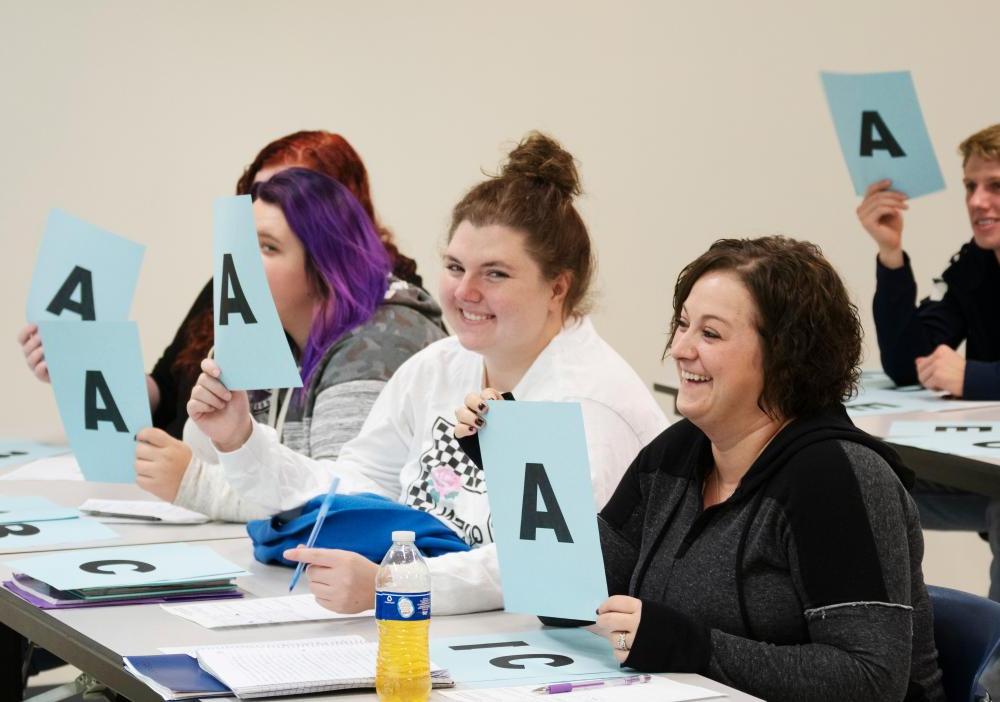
column 882, row 132
column 250, row 344
column 82, row 273
column 100, row 387
column 544, row 517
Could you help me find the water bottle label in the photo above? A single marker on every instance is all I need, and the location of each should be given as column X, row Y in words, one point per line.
column 402, row 606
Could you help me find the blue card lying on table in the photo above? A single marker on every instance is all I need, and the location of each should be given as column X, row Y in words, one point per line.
column 14, row 452
column 122, row 566
column 526, row 657
column 30, row 535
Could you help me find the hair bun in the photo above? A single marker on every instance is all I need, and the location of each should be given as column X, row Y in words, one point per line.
column 540, row 157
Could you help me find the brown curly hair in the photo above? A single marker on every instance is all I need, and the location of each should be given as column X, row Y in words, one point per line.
column 809, row 329
column 534, row 194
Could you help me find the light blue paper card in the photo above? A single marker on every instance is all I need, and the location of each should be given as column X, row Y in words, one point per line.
column 37, row 514
column 62, row 531
column 535, row 456
column 539, row 656
column 100, row 386
column 83, row 273
column 14, row 452
column 19, row 502
column 126, row 565
column 881, row 131
column 250, row 344
column 944, row 429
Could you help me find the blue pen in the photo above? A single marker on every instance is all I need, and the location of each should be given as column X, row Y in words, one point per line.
column 556, row 688
column 323, row 509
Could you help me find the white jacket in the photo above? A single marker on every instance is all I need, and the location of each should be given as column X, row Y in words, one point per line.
column 406, row 449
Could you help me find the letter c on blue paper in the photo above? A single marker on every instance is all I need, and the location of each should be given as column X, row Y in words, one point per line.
column 98, row 566
column 555, row 660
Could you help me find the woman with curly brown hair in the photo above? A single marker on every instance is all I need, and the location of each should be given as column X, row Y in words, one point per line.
column 765, row 541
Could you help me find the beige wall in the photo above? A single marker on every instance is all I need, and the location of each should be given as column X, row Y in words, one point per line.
column 690, row 121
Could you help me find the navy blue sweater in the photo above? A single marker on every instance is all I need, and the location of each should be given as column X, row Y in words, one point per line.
column 969, row 311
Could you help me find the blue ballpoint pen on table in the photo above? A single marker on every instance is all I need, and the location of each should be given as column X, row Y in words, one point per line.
column 556, row 688
column 323, row 509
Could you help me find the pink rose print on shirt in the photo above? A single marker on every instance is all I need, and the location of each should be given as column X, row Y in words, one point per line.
column 445, row 484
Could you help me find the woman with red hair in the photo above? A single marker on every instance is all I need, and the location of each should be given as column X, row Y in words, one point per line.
column 174, row 375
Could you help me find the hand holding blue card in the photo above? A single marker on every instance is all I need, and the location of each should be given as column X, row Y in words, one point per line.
column 320, row 517
column 83, row 273
column 100, row 387
column 250, row 343
column 543, row 511
column 881, row 131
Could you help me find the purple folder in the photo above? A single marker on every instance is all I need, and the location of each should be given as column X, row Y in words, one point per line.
column 71, row 604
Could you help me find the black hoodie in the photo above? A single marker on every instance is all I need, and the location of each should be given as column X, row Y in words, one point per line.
column 804, row 585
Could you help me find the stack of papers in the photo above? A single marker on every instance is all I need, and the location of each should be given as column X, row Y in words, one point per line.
column 29, row 522
column 260, row 610
column 294, row 667
column 132, row 511
column 128, row 574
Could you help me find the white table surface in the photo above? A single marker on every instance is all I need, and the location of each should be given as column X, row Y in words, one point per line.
column 142, row 629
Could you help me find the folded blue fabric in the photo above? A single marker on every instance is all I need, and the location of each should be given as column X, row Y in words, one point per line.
column 362, row 523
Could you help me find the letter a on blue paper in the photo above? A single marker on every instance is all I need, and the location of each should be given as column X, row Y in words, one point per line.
column 82, row 273
column 250, row 344
column 100, row 387
column 881, row 131
column 543, row 511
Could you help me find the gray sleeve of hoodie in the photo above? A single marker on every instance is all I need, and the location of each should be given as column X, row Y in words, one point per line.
column 339, row 413
column 864, row 649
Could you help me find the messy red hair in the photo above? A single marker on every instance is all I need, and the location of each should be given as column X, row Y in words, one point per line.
column 329, row 154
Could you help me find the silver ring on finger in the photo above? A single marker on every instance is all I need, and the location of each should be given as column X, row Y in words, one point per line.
column 620, row 644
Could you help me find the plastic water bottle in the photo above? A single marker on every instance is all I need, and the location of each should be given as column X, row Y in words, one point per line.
column 403, row 613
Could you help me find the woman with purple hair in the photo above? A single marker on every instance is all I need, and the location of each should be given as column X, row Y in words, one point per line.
column 350, row 323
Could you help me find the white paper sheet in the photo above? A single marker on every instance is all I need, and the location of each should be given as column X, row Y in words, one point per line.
column 260, row 610
column 165, row 512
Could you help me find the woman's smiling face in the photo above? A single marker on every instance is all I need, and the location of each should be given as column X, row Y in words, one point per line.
column 718, row 353
column 494, row 295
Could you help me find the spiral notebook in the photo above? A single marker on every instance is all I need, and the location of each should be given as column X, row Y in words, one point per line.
column 296, row 667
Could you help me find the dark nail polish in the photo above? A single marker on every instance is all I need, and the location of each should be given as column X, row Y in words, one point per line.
column 482, row 406
column 479, row 421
